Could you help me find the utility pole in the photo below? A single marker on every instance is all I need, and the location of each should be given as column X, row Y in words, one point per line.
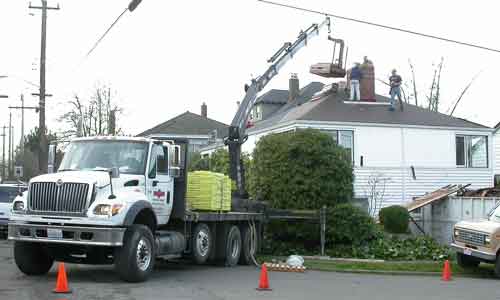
column 10, row 144
column 42, row 155
column 3, row 153
column 22, row 108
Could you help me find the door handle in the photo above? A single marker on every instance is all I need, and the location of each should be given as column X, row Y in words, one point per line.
column 155, row 182
column 168, row 197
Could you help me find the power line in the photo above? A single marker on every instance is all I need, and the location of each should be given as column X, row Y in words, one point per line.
column 381, row 26
column 100, row 39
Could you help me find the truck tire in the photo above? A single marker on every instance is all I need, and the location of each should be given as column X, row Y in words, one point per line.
column 32, row 258
column 135, row 260
column 497, row 267
column 202, row 243
column 246, row 246
column 467, row 262
column 233, row 247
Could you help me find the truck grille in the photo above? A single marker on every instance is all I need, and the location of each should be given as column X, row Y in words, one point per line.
column 64, row 198
column 470, row 237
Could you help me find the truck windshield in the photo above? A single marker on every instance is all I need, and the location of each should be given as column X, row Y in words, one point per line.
column 494, row 214
column 129, row 157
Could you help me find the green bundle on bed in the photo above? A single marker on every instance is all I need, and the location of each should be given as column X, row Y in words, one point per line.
column 208, row 191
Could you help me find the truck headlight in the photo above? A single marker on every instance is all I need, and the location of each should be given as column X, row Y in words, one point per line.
column 456, row 233
column 487, row 240
column 107, row 209
column 18, row 206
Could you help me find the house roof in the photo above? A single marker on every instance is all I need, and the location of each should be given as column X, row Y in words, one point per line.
column 188, row 123
column 275, row 96
column 332, row 108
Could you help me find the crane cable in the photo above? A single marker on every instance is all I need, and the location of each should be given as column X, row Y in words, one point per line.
column 381, row 25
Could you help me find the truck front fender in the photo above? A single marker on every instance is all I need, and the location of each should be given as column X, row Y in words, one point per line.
column 141, row 212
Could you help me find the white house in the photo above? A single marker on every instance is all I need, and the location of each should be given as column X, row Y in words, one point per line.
column 200, row 130
column 496, row 151
column 396, row 155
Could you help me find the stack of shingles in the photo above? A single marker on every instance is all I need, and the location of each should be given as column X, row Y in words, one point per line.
column 485, row 192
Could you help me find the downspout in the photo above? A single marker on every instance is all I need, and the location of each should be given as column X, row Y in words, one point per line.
column 403, row 164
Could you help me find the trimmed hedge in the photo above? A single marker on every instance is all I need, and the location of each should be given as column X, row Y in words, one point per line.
column 394, row 218
column 301, row 170
column 349, row 225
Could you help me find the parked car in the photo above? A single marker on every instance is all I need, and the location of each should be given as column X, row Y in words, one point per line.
column 8, row 191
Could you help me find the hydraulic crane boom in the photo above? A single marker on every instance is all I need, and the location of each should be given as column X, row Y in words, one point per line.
column 237, row 129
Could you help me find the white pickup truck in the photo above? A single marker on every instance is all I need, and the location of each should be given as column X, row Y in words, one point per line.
column 121, row 201
column 478, row 241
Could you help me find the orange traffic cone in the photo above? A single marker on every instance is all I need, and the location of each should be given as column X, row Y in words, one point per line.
column 446, row 271
column 62, row 281
column 264, row 281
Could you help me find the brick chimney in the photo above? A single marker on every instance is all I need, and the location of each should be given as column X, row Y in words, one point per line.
column 204, row 110
column 293, row 87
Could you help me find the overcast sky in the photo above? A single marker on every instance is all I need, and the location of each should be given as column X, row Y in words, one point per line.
column 167, row 57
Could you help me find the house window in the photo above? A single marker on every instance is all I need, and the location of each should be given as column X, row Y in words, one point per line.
column 257, row 113
column 344, row 138
column 471, row 151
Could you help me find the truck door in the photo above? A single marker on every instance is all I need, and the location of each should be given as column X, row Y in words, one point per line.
column 160, row 184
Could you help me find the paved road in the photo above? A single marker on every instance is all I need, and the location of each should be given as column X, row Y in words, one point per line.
column 183, row 281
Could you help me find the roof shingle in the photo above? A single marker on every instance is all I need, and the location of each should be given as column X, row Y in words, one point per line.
column 332, row 108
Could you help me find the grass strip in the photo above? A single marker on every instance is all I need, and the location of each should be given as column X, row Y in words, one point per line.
column 417, row 267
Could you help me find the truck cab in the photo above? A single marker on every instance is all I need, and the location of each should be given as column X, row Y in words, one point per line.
column 116, row 200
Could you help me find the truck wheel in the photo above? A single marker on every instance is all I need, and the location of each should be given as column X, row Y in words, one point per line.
column 32, row 258
column 467, row 262
column 202, row 243
column 247, row 246
column 233, row 246
column 135, row 260
column 497, row 267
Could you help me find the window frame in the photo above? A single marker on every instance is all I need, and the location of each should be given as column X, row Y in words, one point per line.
column 467, row 138
column 338, row 133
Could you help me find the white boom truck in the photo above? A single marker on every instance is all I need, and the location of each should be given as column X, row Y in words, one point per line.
column 121, row 201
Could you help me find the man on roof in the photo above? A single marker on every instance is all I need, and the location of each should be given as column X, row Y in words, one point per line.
column 355, row 77
column 395, row 82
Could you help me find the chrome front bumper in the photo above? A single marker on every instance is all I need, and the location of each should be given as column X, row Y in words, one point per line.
column 475, row 253
column 76, row 235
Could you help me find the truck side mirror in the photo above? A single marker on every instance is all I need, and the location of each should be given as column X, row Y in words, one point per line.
column 175, row 156
column 175, row 172
column 51, row 159
column 114, row 172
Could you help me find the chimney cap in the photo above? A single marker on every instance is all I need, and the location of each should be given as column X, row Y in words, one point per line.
column 294, row 76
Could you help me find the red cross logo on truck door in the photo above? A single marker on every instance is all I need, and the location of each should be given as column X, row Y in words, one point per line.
column 159, row 194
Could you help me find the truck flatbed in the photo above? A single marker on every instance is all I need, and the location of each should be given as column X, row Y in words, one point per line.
column 195, row 216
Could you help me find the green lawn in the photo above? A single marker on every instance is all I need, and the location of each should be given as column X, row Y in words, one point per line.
column 484, row 270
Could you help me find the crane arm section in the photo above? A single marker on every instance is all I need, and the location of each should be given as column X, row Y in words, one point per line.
column 237, row 129
column 278, row 60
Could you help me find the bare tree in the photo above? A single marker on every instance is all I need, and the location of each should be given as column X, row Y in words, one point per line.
column 434, row 91
column 414, row 83
column 95, row 116
column 376, row 191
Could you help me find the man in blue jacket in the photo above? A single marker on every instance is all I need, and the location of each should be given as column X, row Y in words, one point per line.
column 355, row 78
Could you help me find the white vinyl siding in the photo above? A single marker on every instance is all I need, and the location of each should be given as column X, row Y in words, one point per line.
column 401, row 188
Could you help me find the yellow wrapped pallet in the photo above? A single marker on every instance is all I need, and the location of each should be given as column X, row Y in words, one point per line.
column 208, row 191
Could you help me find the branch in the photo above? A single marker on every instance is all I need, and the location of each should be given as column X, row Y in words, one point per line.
column 464, row 91
column 414, row 82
